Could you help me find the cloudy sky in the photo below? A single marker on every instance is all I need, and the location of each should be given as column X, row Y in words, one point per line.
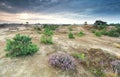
column 59, row 11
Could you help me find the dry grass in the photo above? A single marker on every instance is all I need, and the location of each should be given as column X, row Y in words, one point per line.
column 37, row 65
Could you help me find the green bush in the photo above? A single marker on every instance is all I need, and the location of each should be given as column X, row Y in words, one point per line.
column 79, row 56
column 98, row 34
column 118, row 29
column 104, row 32
column 48, row 32
column 37, row 28
column 71, row 36
column 70, row 28
column 46, row 39
column 93, row 30
column 51, row 27
column 20, row 45
column 100, row 27
column 98, row 72
column 113, row 33
column 80, row 34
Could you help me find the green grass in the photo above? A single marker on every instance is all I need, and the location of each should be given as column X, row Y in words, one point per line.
column 114, row 32
column 80, row 34
column 46, row 39
column 79, row 56
column 70, row 28
column 51, row 27
column 98, row 34
column 93, row 30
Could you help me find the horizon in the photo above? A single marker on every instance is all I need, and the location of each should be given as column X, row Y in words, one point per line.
column 59, row 12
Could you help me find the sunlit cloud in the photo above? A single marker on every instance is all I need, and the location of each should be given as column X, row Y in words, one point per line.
column 59, row 11
column 59, row 18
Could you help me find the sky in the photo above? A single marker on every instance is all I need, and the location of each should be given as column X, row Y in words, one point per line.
column 59, row 11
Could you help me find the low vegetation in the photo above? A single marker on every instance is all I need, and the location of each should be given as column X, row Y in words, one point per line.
column 98, row 64
column 70, row 28
column 80, row 34
column 70, row 35
column 46, row 38
column 20, row 45
column 116, row 66
column 98, row 34
column 113, row 32
column 38, row 29
column 118, row 24
column 79, row 56
column 48, row 32
column 51, row 27
column 62, row 61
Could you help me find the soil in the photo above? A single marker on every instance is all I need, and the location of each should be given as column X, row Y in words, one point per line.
column 37, row 65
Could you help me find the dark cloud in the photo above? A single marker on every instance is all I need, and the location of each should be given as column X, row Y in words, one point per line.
column 73, row 9
column 28, row 5
column 54, row 6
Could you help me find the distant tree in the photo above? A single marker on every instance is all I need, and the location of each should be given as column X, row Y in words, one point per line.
column 27, row 23
column 85, row 23
column 100, row 24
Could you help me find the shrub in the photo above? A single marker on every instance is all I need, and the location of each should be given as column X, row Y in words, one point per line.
column 46, row 39
column 100, row 27
column 118, row 29
column 80, row 34
column 62, row 61
column 116, row 66
column 70, row 28
column 47, row 36
column 51, row 27
column 79, row 56
column 37, row 28
column 48, row 32
column 71, row 36
column 104, row 32
column 93, row 30
column 113, row 33
column 98, row 34
column 98, row 72
column 20, row 45
column 82, row 58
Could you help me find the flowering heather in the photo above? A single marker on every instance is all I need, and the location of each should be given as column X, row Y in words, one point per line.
column 62, row 61
column 116, row 66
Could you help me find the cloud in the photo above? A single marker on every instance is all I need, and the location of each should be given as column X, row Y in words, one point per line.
column 54, row 6
column 60, row 11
